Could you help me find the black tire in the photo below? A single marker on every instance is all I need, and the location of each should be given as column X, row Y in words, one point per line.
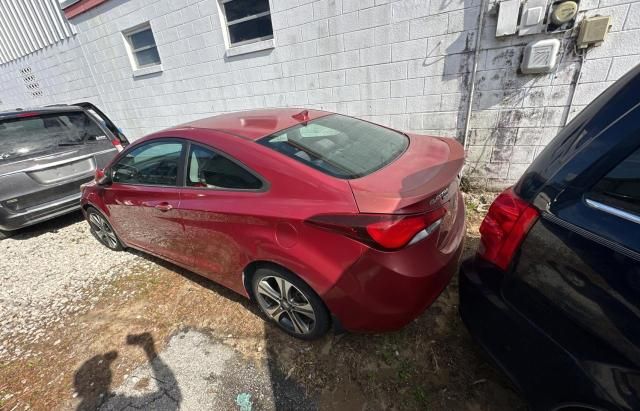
column 4, row 234
column 291, row 314
column 102, row 230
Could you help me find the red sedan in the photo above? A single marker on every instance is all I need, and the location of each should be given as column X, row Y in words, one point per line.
column 320, row 218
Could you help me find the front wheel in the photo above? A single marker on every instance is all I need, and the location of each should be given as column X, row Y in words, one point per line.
column 102, row 230
column 290, row 303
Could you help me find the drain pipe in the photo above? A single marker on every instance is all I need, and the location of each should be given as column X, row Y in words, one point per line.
column 472, row 86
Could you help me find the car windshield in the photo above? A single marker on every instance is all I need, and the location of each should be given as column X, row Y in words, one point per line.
column 340, row 146
column 42, row 134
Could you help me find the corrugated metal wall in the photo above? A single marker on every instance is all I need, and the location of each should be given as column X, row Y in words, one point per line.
column 30, row 25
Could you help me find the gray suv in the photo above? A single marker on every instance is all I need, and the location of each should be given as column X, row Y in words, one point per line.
column 45, row 155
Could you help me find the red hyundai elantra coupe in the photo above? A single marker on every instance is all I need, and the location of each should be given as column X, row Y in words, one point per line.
column 320, row 218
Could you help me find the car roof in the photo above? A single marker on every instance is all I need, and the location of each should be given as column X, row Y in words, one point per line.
column 255, row 124
column 19, row 112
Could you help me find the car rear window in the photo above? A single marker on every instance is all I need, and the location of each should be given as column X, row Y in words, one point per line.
column 340, row 146
column 43, row 134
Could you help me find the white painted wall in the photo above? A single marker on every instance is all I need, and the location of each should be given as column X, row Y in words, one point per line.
column 403, row 63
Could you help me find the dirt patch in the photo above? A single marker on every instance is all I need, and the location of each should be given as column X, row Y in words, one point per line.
column 430, row 364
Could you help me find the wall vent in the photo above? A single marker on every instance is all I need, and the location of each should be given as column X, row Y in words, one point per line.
column 31, row 82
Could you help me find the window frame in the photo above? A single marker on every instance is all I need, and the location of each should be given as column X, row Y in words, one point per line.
column 131, row 51
column 180, row 177
column 226, row 24
column 185, row 170
column 606, row 203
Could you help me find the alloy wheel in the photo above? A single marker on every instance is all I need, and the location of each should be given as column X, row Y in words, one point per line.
column 286, row 304
column 103, row 230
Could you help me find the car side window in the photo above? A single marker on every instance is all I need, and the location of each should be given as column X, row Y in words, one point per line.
column 151, row 164
column 209, row 169
column 620, row 188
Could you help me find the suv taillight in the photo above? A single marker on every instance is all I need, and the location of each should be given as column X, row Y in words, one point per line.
column 117, row 144
column 382, row 231
column 505, row 226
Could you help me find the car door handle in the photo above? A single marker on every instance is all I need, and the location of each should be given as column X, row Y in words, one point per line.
column 164, row 206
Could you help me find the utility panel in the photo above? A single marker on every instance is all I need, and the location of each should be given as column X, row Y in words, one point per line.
column 593, row 31
column 508, row 14
column 532, row 17
column 540, row 56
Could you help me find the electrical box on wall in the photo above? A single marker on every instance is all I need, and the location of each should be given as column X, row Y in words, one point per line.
column 593, row 31
column 562, row 15
column 540, row 56
column 508, row 13
column 532, row 17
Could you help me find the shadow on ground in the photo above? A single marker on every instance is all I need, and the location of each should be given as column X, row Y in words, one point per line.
column 49, row 226
column 92, row 382
column 430, row 364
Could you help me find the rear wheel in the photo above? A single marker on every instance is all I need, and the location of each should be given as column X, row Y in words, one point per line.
column 102, row 230
column 290, row 303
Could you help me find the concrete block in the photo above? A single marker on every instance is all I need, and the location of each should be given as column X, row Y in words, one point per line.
column 373, row 91
column 315, row 30
column 463, row 20
column 332, row 78
column 359, row 75
column 389, row 106
column 405, row 88
column 428, row 26
column 409, row 9
column 375, row 16
column 319, row 64
column 320, row 95
column 346, row 93
column 425, row 67
column 439, row 121
column 344, row 60
column 409, row 50
column 353, row 5
column 620, row 66
column 392, row 33
column 421, row 104
column 587, row 92
column 358, row 39
column 633, row 18
column 330, row 45
column 375, row 55
column 389, row 71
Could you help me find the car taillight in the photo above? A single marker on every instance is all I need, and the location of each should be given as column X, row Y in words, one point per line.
column 117, row 144
column 382, row 231
column 505, row 226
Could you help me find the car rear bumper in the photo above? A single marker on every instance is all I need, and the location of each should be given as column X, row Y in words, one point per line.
column 384, row 291
column 547, row 375
column 10, row 220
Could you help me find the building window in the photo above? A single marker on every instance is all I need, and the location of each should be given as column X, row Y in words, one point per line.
column 247, row 21
column 142, row 47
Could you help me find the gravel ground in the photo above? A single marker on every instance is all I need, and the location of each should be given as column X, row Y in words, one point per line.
column 49, row 271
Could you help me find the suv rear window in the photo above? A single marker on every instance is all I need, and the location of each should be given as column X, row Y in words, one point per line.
column 43, row 134
column 620, row 188
column 340, row 146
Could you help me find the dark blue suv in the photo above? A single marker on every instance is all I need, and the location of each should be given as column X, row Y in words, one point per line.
column 553, row 294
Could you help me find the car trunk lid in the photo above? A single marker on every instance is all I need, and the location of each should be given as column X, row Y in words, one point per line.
column 423, row 178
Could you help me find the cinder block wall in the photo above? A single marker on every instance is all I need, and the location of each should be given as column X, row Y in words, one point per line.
column 404, row 63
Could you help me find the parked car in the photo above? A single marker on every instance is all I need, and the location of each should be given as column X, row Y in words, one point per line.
column 45, row 155
column 320, row 218
column 553, row 294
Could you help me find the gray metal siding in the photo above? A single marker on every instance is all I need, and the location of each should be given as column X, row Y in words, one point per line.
column 27, row 26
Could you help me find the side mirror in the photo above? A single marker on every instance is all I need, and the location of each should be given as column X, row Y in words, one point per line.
column 103, row 177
